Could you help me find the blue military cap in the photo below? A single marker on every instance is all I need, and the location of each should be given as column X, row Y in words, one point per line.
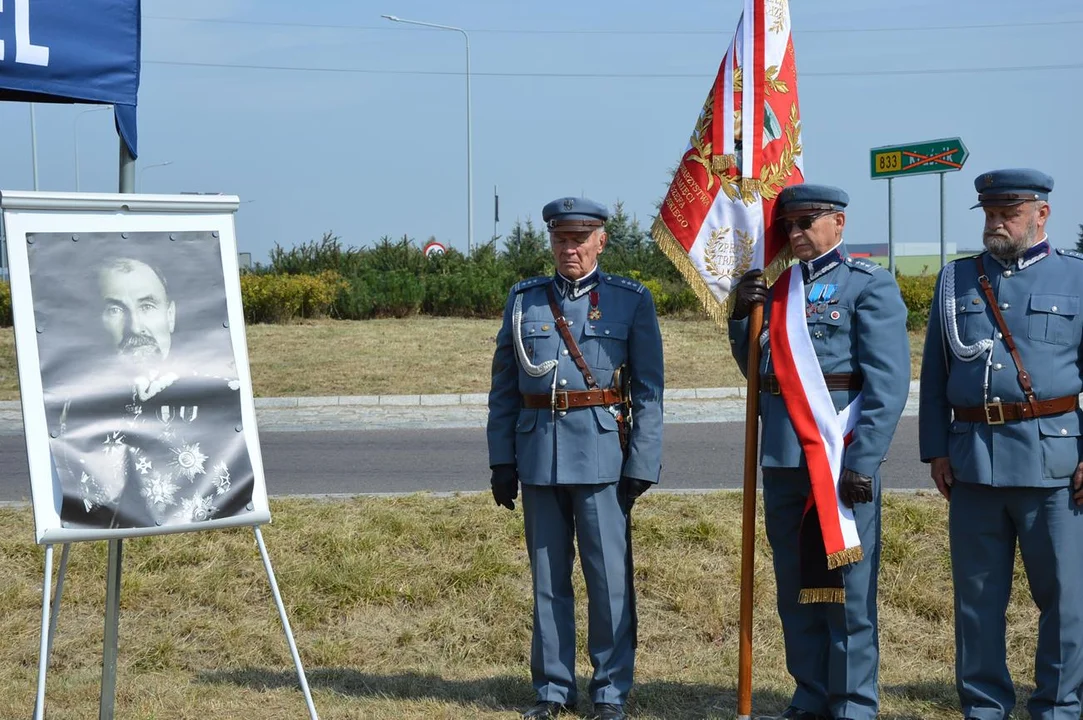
column 803, row 198
column 1011, row 187
column 574, row 213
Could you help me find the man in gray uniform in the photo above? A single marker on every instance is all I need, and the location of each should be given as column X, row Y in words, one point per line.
column 575, row 415
column 856, row 323
column 1000, row 427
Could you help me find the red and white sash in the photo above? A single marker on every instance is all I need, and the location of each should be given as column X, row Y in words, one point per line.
column 823, row 432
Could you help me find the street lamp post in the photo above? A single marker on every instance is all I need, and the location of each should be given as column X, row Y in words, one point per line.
column 139, row 182
column 76, row 133
column 469, row 155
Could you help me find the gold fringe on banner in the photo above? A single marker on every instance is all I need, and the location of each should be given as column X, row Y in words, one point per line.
column 845, row 557
column 716, row 310
column 809, row 596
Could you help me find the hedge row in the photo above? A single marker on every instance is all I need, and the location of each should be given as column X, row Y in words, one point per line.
column 281, row 298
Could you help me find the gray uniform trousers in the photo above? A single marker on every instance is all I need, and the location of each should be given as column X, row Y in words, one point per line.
column 832, row 649
column 553, row 514
column 984, row 523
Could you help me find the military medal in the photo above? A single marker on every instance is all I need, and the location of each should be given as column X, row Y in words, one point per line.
column 595, row 313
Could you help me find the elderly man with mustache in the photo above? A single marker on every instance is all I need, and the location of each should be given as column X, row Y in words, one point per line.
column 1000, row 428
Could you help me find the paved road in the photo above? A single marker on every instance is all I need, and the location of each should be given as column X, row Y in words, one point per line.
column 697, row 456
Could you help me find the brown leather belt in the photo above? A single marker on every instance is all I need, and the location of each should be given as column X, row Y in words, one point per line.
column 835, row 381
column 568, row 399
column 997, row 413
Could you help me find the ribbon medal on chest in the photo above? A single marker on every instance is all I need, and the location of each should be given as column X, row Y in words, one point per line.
column 594, row 313
column 819, row 297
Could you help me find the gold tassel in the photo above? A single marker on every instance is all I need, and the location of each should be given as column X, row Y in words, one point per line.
column 809, row 596
column 845, row 557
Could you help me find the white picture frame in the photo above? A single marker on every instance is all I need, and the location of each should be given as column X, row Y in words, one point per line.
column 27, row 215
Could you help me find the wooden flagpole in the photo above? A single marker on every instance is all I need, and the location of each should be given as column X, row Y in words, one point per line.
column 748, row 514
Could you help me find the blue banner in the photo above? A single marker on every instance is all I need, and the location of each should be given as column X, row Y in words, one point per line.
column 84, row 51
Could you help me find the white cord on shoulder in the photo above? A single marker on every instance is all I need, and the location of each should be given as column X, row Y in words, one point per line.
column 950, row 321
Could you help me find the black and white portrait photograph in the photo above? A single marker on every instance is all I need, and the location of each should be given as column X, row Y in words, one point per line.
column 139, row 380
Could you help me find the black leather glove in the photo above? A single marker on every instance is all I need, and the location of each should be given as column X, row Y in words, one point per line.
column 751, row 290
column 505, row 485
column 630, row 488
column 854, row 488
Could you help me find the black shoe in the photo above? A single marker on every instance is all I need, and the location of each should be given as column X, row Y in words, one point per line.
column 545, row 710
column 608, row 711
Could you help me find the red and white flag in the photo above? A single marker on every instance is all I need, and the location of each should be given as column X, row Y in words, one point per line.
column 716, row 221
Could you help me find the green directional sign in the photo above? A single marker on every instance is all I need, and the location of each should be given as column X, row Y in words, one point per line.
column 932, row 156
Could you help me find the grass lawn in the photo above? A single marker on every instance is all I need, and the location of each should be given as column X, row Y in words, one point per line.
column 419, row 607
column 423, row 355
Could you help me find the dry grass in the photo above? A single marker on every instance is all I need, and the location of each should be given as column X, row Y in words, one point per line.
column 423, row 355
column 419, row 607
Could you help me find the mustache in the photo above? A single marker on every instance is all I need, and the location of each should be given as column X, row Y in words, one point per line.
column 136, row 342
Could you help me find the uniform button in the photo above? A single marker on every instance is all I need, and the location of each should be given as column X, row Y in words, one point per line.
column 563, row 382
column 1003, row 306
column 1000, row 336
column 996, row 399
column 1054, row 308
column 531, row 331
column 607, row 332
column 562, row 413
column 565, row 352
column 571, row 322
column 1064, row 431
column 1007, row 273
column 998, row 366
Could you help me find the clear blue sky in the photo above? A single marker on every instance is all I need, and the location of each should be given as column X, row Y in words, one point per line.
column 561, row 105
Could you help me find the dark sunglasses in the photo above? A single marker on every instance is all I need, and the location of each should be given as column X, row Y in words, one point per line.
column 804, row 222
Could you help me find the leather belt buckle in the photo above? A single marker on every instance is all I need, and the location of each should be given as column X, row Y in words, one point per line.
column 560, row 400
column 776, row 387
column 994, row 413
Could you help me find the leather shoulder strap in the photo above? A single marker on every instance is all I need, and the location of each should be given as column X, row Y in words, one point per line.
column 569, row 341
column 1024, row 376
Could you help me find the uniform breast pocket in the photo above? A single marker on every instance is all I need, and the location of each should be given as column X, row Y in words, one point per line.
column 605, row 344
column 539, row 340
column 832, row 322
column 970, row 316
column 1052, row 319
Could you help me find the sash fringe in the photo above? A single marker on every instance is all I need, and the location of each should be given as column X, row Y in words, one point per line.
column 809, row 596
column 845, row 557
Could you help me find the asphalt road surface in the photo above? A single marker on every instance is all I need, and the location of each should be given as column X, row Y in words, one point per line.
column 697, row 456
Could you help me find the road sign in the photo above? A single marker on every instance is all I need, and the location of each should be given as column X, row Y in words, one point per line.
column 932, row 156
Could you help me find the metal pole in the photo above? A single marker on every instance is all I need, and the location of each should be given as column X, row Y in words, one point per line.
column 43, row 652
column 112, row 624
column 125, row 184
column 56, row 598
column 34, row 144
column 76, row 133
column 890, row 228
column 469, row 153
column 285, row 624
column 943, row 242
column 469, row 157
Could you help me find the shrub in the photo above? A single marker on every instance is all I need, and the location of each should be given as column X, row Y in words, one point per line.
column 917, row 294
column 6, row 319
column 281, row 298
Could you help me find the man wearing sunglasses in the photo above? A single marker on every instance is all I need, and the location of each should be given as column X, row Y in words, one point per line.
column 1000, row 428
column 854, row 323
